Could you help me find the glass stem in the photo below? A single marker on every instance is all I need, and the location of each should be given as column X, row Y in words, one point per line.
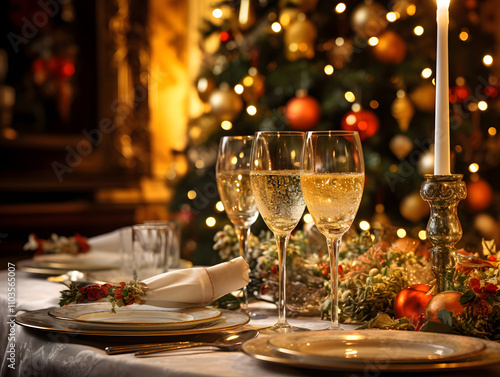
column 243, row 232
column 282, row 243
column 334, row 248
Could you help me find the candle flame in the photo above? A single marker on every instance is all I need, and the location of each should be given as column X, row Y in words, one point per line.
column 443, row 4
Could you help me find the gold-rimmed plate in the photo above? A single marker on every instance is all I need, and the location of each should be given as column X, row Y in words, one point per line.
column 42, row 321
column 261, row 350
column 372, row 346
column 134, row 317
column 59, row 263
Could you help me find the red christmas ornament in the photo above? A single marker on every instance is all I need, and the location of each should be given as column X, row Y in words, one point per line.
column 491, row 91
column 479, row 195
column 302, row 112
column 67, row 68
column 226, row 36
column 59, row 68
column 412, row 302
column 390, row 49
column 459, row 93
column 363, row 121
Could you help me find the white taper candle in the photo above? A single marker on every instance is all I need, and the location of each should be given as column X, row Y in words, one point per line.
column 442, row 120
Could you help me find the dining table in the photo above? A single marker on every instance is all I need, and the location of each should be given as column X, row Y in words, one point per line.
column 37, row 352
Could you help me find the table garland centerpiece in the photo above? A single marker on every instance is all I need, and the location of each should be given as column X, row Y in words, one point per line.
column 384, row 281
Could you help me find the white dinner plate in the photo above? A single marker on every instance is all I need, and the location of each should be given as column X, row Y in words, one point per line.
column 376, row 346
column 42, row 321
column 134, row 317
column 261, row 350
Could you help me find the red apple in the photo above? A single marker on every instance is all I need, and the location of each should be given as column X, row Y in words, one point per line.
column 411, row 302
column 444, row 300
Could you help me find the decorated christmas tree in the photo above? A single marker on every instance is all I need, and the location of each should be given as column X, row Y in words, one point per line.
column 367, row 66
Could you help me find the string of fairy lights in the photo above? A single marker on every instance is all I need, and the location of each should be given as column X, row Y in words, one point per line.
column 278, row 23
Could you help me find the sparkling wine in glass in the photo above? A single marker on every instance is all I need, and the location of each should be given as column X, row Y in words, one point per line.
column 233, row 183
column 275, row 180
column 332, row 182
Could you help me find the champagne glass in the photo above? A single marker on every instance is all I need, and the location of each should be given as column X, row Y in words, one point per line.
column 275, row 180
column 233, row 182
column 332, row 183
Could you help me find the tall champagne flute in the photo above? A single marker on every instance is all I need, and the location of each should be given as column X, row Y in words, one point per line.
column 332, row 183
column 275, row 180
column 233, row 182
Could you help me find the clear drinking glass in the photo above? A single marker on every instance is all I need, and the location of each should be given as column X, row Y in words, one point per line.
column 150, row 244
column 332, row 183
column 233, row 182
column 174, row 249
column 275, row 179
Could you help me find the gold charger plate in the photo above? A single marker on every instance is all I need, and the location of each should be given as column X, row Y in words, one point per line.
column 377, row 346
column 98, row 316
column 259, row 349
column 41, row 320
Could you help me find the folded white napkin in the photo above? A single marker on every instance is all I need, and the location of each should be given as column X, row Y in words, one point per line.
column 111, row 241
column 196, row 286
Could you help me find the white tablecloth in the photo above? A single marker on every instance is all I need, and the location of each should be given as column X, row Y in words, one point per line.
column 40, row 354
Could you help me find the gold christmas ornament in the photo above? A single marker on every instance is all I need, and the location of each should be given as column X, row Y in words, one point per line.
column 299, row 38
column 368, row 19
column 288, row 15
column 424, row 97
column 390, row 49
column 225, row 103
column 205, row 86
column 401, row 146
column 426, row 162
column 413, row 208
column 402, row 110
column 253, row 87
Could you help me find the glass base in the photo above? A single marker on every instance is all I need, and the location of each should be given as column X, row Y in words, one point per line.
column 334, row 328
column 256, row 315
column 252, row 313
column 281, row 328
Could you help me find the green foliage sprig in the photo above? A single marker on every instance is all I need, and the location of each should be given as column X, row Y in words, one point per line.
column 119, row 295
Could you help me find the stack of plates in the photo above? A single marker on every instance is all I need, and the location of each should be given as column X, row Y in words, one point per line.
column 133, row 320
column 374, row 350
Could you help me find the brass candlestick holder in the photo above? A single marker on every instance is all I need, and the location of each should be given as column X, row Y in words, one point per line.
column 443, row 192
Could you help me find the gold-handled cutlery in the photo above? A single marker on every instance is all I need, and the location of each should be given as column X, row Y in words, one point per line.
column 229, row 341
